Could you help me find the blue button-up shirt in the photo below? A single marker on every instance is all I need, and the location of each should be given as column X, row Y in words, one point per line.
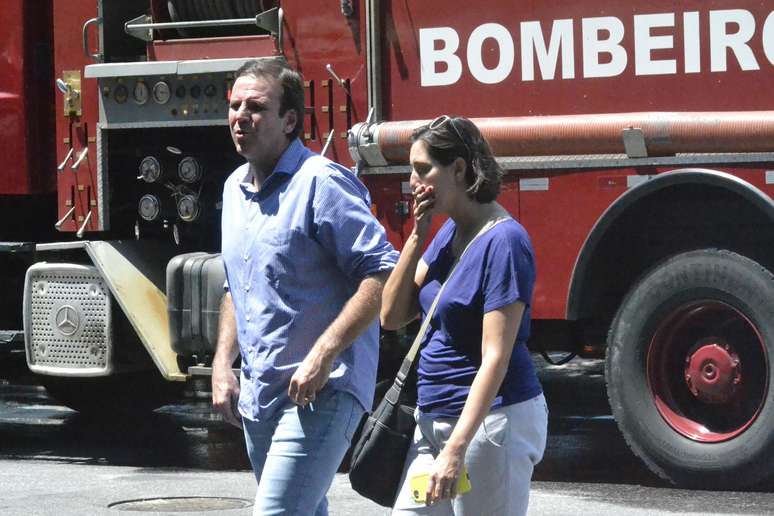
column 295, row 251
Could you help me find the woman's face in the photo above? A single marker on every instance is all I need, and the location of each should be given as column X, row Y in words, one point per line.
column 428, row 174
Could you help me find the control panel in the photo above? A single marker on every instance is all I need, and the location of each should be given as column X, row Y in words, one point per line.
column 153, row 101
column 164, row 93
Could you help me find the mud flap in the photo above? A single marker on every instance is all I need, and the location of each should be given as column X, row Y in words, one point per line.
column 135, row 276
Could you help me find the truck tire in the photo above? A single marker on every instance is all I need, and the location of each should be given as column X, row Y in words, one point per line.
column 689, row 366
column 116, row 395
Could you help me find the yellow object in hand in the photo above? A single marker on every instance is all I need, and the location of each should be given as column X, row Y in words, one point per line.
column 419, row 485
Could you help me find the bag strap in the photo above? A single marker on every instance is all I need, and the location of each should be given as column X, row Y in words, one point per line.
column 405, row 367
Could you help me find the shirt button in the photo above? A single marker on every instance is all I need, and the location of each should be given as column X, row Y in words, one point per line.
column 247, row 317
column 247, row 288
column 246, row 257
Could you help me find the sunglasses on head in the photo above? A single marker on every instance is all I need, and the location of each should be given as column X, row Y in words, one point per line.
column 443, row 120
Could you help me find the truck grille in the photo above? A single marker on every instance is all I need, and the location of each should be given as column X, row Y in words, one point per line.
column 67, row 322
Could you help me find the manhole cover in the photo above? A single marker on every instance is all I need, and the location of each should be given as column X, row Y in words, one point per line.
column 181, row 504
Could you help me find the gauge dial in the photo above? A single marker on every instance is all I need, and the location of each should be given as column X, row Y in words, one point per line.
column 149, row 207
column 140, row 92
column 189, row 170
column 150, row 169
column 121, row 93
column 188, row 208
column 161, row 92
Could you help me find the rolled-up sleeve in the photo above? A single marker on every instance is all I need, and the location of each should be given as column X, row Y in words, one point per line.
column 345, row 226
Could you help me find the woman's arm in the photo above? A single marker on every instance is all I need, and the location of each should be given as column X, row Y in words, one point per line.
column 400, row 298
column 499, row 334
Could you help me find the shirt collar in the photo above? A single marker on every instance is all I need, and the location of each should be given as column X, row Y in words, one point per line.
column 287, row 165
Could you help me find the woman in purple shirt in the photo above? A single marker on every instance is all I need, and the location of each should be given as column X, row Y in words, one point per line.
column 480, row 407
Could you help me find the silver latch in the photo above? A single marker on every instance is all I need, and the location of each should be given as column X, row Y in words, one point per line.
column 634, row 142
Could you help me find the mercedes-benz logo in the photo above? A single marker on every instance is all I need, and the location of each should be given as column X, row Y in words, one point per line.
column 67, row 320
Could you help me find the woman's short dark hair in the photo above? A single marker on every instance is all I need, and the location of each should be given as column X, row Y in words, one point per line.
column 460, row 138
column 290, row 80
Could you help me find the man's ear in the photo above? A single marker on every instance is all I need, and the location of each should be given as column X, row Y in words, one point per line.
column 291, row 119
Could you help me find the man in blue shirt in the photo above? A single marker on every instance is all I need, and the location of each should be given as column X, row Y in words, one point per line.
column 305, row 266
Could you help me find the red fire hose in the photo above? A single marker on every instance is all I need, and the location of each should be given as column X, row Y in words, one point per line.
column 664, row 134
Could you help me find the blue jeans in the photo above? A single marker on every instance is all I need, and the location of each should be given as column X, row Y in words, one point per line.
column 296, row 453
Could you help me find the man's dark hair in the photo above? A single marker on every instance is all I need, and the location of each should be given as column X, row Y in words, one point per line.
column 290, row 80
column 460, row 138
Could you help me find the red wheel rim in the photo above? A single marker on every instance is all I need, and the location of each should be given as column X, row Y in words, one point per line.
column 707, row 371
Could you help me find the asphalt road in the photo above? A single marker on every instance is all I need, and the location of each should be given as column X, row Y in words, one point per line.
column 53, row 461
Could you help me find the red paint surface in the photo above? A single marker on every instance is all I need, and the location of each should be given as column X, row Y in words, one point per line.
column 13, row 145
column 216, row 48
column 25, row 110
column 76, row 187
column 710, row 91
column 317, row 34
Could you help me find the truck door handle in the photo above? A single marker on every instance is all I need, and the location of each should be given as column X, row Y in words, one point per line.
column 97, row 56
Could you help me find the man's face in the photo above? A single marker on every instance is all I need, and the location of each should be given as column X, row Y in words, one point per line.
column 260, row 134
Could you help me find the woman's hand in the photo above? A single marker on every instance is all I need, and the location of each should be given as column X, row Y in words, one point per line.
column 424, row 201
column 444, row 475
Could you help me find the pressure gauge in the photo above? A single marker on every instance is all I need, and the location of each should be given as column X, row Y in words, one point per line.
column 120, row 93
column 188, row 208
column 149, row 207
column 140, row 92
column 150, row 169
column 189, row 170
column 161, row 92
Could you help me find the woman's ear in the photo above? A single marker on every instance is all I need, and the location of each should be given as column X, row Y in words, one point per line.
column 459, row 170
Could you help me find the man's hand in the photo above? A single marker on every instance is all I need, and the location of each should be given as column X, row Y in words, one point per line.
column 225, row 394
column 358, row 313
column 310, row 377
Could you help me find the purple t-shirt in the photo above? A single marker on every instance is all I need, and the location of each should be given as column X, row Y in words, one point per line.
column 498, row 269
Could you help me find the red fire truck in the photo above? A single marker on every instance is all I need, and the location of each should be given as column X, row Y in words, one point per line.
column 638, row 139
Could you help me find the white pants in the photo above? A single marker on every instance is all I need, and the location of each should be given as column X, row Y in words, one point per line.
column 500, row 459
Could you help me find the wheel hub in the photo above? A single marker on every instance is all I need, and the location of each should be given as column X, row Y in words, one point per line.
column 713, row 373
